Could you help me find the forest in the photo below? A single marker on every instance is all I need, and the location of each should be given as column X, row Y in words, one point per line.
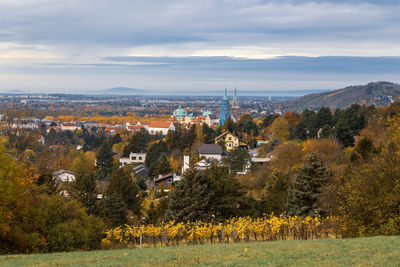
column 342, row 164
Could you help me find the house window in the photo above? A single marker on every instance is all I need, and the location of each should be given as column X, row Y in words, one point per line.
column 230, row 138
column 229, row 145
column 133, row 158
column 169, row 181
column 140, row 158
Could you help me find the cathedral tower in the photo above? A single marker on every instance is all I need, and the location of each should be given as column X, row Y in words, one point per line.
column 235, row 115
column 225, row 111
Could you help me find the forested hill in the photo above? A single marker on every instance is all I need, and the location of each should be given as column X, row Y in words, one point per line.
column 377, row 93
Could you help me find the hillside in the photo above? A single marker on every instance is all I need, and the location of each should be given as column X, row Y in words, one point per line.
column 371, row 251
column 378, row 93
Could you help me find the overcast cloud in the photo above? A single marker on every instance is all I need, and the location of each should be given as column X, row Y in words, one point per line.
column 49, row 45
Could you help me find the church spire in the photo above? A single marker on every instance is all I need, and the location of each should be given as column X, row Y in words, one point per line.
column 226, row 95
column 235, row 96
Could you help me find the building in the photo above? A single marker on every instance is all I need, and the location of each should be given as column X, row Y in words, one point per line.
column 180, row 113
column 210, row 151
column 63, row 176
column 69, row 126
column 141, row 171
column 235, row 114
column 160, row 127
column 133, row 158
column 166, row 179
column 211, row 119
column 225, row 111
column 230, row 141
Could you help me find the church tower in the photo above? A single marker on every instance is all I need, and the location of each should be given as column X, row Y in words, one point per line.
column 225, row 111
column 235, row 115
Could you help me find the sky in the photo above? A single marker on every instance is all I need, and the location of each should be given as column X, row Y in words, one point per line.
column 186, row 46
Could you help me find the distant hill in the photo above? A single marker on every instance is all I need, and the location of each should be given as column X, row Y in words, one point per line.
column 122, row 91
column 377, row 93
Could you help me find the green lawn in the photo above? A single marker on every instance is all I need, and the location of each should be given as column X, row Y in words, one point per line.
column 375, row 251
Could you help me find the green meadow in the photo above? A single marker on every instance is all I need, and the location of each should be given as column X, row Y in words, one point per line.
column 371, row 251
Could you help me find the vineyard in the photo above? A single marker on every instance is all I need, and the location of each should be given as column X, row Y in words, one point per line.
column 267, row 228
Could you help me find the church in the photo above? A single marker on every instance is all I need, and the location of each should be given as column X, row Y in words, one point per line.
column 229, row 109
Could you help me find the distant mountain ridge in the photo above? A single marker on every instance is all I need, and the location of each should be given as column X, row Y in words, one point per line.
column 374, row 93
column 122, row 91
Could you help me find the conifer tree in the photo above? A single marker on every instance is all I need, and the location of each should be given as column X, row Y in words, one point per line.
column 121, row 184
column 104, row 162
column 276, row 193
column 114, row 210
column 191, row 199
column 306, row 188
column 84, row 187
column 229, row 196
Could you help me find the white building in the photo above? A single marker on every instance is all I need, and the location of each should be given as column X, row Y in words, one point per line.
column 133, row 158
column 63, row 176
column 69, row 126
column 210, row 151
column 157, row 127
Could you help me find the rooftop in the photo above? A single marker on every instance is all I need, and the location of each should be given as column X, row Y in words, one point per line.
column 210, row 149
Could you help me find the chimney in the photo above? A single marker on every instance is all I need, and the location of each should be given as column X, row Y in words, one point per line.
column 186, row 163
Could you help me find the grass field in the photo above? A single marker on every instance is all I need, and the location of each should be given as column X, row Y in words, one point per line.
column 375, row 251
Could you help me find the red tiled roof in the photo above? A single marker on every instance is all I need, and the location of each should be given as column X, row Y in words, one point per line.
column 160, row 124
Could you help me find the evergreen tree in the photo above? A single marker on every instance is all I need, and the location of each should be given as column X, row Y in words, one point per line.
column 121, row 184
column 104, row 162
column 137, row 143
column 84, row 187
column 306, row 188
column 209, row 134
column 114, row 211
column 191, row 199
column 344, row 133
column 276, row 193
column 238, row 160
column 229, row 196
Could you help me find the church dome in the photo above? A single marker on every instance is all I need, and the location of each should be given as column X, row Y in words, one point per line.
column 180, row 113
column 206, row 113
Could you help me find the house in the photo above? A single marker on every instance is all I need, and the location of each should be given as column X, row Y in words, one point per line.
column 157, row 127
column 210, row 151
column 211, row 120
column 60, row 178
column 133, row 158
column 69, row 126
column 166, row 179
column 230, row 141
column 201, row 165
column 63, row 176
column 141, row 171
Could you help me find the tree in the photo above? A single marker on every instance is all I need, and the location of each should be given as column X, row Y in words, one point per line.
column 238, row 160
column 276, row 193
column 114, row 210
column 104, row 162
column 324, row 117
column 137, row 143
column 344, row 133
column 155, row 152
column 209, row 134
column 306, row 188
column 228, row 199
column 122, row 185
column 84, row 187
column 191, row 199
column 280, row 129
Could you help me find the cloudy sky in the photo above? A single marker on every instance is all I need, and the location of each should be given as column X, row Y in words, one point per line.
column 176, row 45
